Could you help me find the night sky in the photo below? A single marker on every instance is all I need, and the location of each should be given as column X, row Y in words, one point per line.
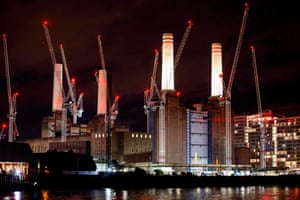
column 131, row 30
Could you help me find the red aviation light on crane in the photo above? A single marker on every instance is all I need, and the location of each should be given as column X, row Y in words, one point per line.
column 16, row 94
column 73, row 80
column 4, row 35
column 178, row 93
column 221, row 99
column 4, row 125
column 247, row 4
column 252, row 47
column 147, row 91
column 117, row 97
column 190, row 22
column 45, row 22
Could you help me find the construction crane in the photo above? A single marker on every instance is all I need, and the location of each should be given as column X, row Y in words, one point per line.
column 101, row 51
column 260, row 113
column 12, row 127
column 73, row 104
column 182, row 43
column 54, row 62
column 114, row 107
column 228, row 153
column 111, row 109
column 149, row 102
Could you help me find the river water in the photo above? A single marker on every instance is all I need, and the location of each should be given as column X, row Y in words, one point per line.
column 207, row 193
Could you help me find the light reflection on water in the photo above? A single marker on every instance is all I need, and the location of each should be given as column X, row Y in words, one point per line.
column 207, row 193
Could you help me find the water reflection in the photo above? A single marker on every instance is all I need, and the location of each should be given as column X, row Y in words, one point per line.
column 209, row 193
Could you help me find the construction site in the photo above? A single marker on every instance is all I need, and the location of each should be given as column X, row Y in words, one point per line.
column 206, row 137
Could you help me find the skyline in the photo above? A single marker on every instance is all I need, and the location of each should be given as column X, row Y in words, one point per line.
column 130, row 33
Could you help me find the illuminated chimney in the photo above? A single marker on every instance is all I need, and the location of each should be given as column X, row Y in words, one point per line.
column 216, row 70
column 167, row 79
column 102, row 92
column 57, row 98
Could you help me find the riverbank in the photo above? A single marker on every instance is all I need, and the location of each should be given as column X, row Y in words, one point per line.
column 133, row 180
column 136, row 181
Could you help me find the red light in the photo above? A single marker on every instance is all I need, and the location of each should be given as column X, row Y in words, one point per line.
column 246, row 4
column 16, row 94
column 45, row 22
column 178, row 94
column 190, row 22
column 147, row 91
column 81, row 93
column 117, row 97
column 73, row 80
column 252, row 47
column 4, row 35
column 4, row 125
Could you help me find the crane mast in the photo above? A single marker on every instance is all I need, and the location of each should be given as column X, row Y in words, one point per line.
column 229, row 86
column 50, row 47
column 237, row 50
column 260, row 115
column 101, row 51
column 114, row 108
column 71, row 85
column 182, row 43
column 11, row 98
column 153, row 85
column 149, row 94
column 114, row 111
column 48, row 39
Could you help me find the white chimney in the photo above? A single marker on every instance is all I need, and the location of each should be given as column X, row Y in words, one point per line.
column 216, row 70
column 167, row 79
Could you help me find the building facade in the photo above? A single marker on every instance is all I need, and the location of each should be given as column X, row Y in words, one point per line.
column 125, row 146
column 282, row 139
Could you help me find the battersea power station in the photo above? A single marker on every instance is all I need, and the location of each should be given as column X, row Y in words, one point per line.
column 178, row 137
column 175, row 135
